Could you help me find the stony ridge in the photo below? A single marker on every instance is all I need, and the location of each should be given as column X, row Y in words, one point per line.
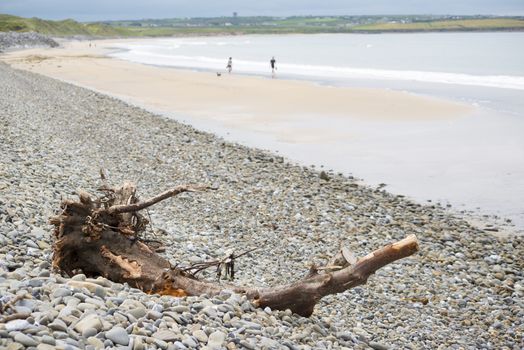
column 464, row 290
column 14, row 40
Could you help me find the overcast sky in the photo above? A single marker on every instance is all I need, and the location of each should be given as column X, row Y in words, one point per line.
column 91, row 10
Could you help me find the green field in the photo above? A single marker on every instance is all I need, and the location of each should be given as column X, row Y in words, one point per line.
column 450, row 25
column 202, row 31
column 258, row 25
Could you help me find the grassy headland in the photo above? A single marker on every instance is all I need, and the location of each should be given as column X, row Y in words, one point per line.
column 66, row 27
column 260, row 25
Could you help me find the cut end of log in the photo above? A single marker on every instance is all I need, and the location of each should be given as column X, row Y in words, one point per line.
column 391, row 252
column 410, row 243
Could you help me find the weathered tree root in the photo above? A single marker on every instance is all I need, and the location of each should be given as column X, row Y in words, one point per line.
column 101, row 237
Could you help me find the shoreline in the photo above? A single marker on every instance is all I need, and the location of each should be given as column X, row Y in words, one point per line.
column 464, row 289
column 75, row 62
column 269, row 129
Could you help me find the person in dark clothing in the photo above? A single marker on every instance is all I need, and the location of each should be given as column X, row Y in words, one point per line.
column 229, row 66
column 273, row 67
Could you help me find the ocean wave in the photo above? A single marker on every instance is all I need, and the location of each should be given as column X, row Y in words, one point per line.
column 496, row 81
column 146, row 55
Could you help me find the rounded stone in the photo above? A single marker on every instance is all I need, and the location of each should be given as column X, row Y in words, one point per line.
column 97, row 343
column 138, row 312
column 190, row 342
column 118, row 335
column 154, row 315
column 25, row 339
column 61, row 292
column 166, row 335
column 89, row 332
column 216, row 339
column 200, row 335
column 138, row 344
column 89, row 322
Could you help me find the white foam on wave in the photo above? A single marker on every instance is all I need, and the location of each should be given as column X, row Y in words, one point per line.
column 232, row 43
column 496, row 81
column 196, row 43
column 148, row 55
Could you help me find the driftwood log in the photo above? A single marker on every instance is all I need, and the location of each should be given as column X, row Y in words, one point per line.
column 102, row 237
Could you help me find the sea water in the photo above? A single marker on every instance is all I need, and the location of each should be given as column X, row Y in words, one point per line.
column 473, row 163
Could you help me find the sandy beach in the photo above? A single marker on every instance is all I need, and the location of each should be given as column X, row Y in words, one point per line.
column 240, row 102
column 232, row 97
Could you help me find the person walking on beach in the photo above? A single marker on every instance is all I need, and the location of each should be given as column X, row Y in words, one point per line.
column 273, row 67
column 229, row 66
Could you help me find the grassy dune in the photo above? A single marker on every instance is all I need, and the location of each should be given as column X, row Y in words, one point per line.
column 56, row 28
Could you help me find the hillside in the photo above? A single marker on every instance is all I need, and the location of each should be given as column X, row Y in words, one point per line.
column 66, row 27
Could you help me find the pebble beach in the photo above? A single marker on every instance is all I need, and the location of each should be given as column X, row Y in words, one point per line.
column 463, row 290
